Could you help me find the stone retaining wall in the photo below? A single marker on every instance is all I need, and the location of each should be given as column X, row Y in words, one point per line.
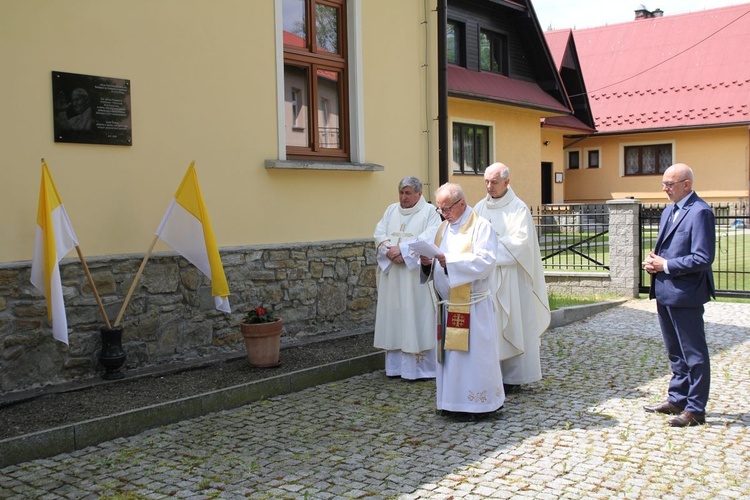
column 316, row 288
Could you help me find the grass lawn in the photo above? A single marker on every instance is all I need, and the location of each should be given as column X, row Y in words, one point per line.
column 557, row 301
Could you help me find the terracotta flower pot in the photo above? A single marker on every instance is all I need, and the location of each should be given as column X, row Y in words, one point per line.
column 263, row 343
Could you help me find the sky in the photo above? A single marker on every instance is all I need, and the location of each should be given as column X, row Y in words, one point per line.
column 574, row 14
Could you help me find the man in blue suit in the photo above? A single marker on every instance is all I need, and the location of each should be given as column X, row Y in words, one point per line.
column 681, row 282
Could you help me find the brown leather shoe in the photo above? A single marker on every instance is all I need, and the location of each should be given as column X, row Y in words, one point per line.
column 663, row 407
column 687, row 419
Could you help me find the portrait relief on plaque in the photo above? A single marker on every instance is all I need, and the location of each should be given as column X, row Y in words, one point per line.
column 91, row 109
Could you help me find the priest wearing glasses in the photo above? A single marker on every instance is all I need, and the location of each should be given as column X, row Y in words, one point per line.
column 469, row 379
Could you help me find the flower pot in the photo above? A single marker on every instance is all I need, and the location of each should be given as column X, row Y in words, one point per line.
column 112, row 357
column 263, row 343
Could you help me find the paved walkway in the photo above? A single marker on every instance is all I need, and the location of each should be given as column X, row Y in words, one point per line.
column 579, row 433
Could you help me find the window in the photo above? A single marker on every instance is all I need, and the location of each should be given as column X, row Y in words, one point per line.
column 471, row 148
column 315, row 76
column 574, row 160
column 652, row 159
column 493, row 54
column 297, row 104
column 454, row 46
column 592, row 158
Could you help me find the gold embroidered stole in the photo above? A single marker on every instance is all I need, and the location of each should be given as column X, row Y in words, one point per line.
column 459, row 300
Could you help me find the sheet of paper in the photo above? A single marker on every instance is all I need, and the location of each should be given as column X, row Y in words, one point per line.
column 425, row 248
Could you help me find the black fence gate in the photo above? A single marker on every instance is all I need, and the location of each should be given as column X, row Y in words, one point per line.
column 732, row 262
column 573, row 237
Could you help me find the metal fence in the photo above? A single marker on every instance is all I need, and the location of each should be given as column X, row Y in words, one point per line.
column 573, row 237
column 732, row 261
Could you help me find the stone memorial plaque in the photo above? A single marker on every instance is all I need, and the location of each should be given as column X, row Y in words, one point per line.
column 91, row 109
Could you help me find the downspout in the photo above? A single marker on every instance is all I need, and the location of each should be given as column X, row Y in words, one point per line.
column 442, row 27
column 427, row 104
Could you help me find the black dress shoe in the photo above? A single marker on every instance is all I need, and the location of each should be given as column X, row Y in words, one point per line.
column 470, row 417
column 511, row 388
column 663, row 407
column 688, row 419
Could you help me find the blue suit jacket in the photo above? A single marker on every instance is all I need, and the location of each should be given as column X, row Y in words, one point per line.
column 689, row 245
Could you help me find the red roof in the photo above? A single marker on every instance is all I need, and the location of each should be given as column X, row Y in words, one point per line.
column 686, row 70
column 557, row 41
column 493, row 87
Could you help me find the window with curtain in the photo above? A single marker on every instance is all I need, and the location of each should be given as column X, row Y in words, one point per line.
column 652, row 159
column 493, row 52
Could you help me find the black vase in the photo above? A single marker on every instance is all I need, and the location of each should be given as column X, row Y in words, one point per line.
column 112, row 357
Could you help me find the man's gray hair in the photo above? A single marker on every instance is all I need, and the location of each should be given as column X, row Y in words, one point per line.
column 455, row 191
column 412, row 182
column 499, row 167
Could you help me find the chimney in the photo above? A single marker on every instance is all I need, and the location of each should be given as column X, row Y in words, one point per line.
column 644, row 13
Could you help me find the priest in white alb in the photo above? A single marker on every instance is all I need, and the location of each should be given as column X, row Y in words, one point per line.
column 469, row 380
column 518, row 285
column 405, row 316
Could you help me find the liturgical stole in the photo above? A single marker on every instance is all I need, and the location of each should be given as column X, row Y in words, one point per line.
column 459, row 300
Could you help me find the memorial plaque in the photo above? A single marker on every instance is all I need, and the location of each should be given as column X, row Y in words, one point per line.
column 91, row 109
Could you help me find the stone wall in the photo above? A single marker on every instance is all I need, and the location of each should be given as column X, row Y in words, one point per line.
column 316, row 288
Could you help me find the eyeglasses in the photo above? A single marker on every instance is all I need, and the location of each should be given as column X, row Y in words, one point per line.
column 670, row 184
column 447, row 209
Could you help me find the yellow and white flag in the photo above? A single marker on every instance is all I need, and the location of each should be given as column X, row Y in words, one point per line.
column 54, row 239
column 186, row 228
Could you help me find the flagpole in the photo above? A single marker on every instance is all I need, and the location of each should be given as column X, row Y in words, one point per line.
column 135, row 280
column 93, row 287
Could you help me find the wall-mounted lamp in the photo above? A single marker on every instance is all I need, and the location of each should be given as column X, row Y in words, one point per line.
column 546, row 143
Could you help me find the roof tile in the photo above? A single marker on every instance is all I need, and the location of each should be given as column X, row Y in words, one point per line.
column 667, row 66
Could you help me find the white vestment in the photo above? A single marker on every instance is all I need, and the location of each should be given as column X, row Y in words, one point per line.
column 520, row 291
column 405, row 322
column 470, row 381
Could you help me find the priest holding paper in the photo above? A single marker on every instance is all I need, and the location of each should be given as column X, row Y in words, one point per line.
column 469, row 380
column 518, row 285
column 405, row 317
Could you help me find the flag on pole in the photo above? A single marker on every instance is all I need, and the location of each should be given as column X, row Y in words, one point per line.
column 186, row 228
column 54, row 239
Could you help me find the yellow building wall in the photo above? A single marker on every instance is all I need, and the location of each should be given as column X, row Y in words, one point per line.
column 718, row 157
column 203, row 88
column 517, row 143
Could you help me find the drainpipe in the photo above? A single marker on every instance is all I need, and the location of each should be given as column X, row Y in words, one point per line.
column 428, row 109
column 442, row 27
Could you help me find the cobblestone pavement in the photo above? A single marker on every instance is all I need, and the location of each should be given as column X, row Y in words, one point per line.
column 579, row 433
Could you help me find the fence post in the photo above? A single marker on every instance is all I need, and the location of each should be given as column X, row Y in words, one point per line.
column 624, row 246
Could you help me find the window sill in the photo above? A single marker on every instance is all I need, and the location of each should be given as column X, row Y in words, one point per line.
column 323, row 165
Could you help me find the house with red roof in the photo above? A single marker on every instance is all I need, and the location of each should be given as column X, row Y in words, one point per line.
column 501, row 82
column 662, row 89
